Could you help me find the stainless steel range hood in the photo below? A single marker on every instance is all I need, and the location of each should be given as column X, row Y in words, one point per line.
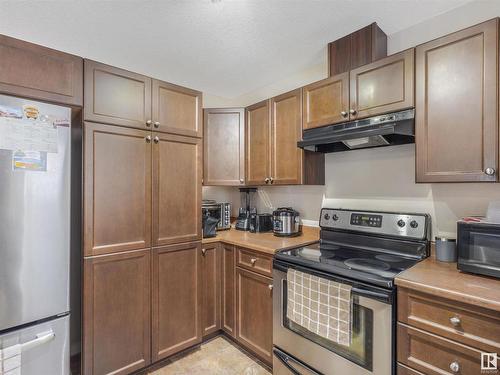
column 385, row 130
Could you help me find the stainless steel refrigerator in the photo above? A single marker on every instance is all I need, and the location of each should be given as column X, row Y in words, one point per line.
column 35, row 215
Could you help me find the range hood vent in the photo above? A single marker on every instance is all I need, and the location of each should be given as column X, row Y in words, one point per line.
column 385, row 130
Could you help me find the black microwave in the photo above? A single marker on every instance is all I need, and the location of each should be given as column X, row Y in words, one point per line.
column 478, row 246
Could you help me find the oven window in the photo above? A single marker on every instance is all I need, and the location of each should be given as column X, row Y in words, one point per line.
column 361, row 348
column 483, row 250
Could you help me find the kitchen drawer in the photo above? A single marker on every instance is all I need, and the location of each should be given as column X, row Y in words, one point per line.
column 403, row 370
column 461, row 322
column 257, row 262
column 434, row 355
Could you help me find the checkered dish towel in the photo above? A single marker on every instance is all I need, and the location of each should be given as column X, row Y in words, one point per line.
column 321, row 306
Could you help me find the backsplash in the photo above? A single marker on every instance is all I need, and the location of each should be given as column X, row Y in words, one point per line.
column 377, row 179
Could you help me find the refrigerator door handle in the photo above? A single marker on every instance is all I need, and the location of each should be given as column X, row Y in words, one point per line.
column 41, row 339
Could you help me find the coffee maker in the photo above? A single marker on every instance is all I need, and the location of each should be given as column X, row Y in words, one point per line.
column 246, row 209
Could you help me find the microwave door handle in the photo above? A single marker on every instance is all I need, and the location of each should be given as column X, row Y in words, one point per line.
column 288, row 363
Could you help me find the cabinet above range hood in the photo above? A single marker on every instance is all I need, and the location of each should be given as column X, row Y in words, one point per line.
column 384, row 130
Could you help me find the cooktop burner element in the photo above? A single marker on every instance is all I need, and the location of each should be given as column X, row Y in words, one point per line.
column 363, row 264
column 372, row 247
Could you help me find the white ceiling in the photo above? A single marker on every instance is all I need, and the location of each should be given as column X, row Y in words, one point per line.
column 225, row 48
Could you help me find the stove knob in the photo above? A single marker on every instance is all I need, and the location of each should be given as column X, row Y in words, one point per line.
column 413, row 224
column 326, row 216
column 335, row 217
column 401, row 223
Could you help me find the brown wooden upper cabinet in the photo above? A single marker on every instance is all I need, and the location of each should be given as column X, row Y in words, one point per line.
column 326, row 102
column 383, row 86
column 32, row 71
column 176, row 109
column 257, row 143
column 177, row 171
column 119, row 97
column 177, row 298
column 286, row 130
column 457, row 106
column 117, row 313
column 116, row 96
column 356, row 49
column 117, row 189
column 224, row 146
column 273, row 128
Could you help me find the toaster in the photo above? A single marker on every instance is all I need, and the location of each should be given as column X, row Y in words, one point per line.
column 261, row 223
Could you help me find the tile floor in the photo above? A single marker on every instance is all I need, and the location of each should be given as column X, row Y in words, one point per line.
column 217, row 357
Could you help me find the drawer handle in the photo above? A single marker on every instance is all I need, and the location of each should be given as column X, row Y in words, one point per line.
column 270, row 286
column 455, row 366
column 253, row 260
column 455, row 321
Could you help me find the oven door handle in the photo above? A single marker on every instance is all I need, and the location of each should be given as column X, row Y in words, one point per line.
column 289, row 361
column 381, row 296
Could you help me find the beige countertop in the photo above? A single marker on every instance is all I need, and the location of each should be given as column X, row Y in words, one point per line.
column 444, row 280
column 265, row 242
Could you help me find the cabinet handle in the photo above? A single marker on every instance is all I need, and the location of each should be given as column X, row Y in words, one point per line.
column 253, row 260
column 148, row 139
column 489, row 171
column 454, row 366
column 270, row 286
column 148, row 123
column 455, row 321
column 242, row 180
column 266, row 180
column 343, row 114
column 156, row 124
column 203, row 251
column 271, row 180
column 352, row 111
column 156, row 139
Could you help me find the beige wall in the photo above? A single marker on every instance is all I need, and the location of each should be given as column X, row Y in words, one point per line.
column 379, row 178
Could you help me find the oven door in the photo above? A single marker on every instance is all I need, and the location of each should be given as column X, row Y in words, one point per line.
column 371, row 351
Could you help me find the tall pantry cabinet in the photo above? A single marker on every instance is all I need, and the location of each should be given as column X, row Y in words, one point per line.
column 142, row 224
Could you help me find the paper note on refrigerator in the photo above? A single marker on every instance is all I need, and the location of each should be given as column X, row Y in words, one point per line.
column 27, row 135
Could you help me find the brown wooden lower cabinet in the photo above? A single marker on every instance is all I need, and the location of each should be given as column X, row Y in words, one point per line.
column 254, row 313
column 211, row 288
column 176, row 298
column 403, row 370
column 228, row 289
column 117, row 313
column 434, row 355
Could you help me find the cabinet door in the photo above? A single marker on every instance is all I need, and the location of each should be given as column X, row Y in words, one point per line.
column 176, row 299
column 258, row 143
column 176, row 109
column 211, row 288
column 254, row 313
column 224, row 146
column 116, row 313
column 32, row 71
column 177, row 171
column 326, row 102
column 456, row 106
column 116, row 96
column 383, row 86
column 286, row 131
column 228, row 289
column 117, row 189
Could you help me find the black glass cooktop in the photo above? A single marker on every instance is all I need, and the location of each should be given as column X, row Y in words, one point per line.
column 375, row 267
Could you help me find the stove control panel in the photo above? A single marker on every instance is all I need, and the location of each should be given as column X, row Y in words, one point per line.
column 384, row 223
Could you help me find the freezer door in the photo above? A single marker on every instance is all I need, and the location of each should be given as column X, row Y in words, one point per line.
column 36, row 350
column 35, row 225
